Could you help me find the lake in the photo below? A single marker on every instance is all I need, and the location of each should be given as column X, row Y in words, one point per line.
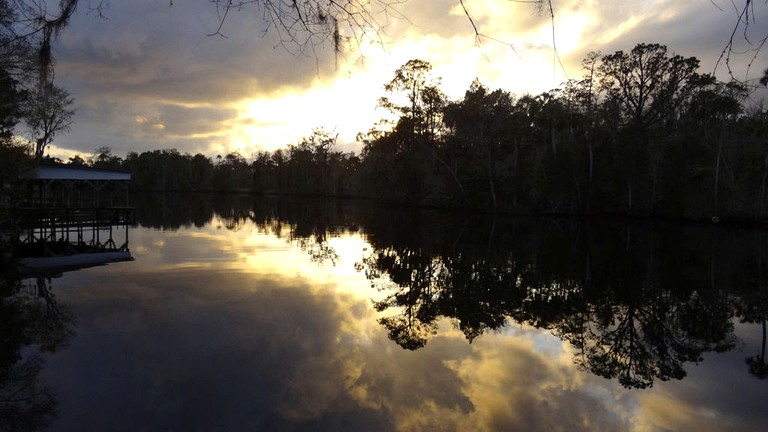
column 245, row 313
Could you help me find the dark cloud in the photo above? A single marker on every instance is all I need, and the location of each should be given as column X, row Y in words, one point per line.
column 152, row 61
column 690, row 29
column 147, row 60
column 149, row 49
column 180, row 120
column 130, row 126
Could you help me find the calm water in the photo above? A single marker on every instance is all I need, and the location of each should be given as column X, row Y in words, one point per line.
column 248, row 314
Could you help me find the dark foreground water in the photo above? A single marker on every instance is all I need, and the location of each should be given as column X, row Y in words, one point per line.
column 248, row 314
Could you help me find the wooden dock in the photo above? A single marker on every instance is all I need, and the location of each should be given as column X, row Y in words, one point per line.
column 69, row 217
column 46, row 232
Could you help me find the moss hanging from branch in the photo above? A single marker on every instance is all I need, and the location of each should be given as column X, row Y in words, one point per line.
column 51, row 28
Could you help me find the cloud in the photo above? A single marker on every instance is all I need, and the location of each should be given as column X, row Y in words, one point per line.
column 687, row 28
column 147, row 49
column 150, row 59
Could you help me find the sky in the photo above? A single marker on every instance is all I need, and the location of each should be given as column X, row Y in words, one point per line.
column 149, row 75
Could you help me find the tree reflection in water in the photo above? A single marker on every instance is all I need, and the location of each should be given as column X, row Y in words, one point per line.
column 32, row 323
column 635, row 300
column 753, row 287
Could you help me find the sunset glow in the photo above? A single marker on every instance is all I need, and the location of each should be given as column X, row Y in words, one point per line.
column 171, row 86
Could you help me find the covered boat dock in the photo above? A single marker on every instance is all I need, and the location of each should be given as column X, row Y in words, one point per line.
column 71, row 211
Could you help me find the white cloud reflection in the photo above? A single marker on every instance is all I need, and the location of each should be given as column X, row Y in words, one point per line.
column 212, row 328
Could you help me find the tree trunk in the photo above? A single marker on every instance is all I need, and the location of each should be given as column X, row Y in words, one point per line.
column 577, row 191
column 491, row 235
column 454, row 176
column 39, row 148
column 491, row 185
column 654, row 182
column 591, row 159
column 761, row 196
column 553, row 139
column 717, row 172
column 514, row 165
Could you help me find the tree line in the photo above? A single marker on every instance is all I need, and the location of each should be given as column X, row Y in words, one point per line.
column 309, row 167
column 644, row 132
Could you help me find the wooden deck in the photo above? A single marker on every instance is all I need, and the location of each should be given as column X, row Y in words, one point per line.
column 57, row 232
column 63, row 218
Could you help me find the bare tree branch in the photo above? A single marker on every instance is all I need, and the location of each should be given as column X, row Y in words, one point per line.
column 301, row 26
column 745, row 19
column 480, row 36
column 304, row 25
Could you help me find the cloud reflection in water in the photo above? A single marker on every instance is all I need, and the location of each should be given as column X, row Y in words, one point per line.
column 181, row 339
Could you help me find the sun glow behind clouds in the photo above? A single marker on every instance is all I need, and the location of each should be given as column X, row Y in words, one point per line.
column 214, row 95
column 345, row 105
column 520, row 61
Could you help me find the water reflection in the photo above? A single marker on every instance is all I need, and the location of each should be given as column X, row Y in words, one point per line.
column 636, row 301
column 281, row 315
column 752, row 307
column 209, row 350
column 32, row 325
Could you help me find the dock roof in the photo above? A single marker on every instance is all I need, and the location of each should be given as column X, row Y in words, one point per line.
column 49, row 171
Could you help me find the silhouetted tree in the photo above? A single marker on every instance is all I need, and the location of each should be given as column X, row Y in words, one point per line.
column 47, row 111
column 103, row 158
column 649, row 86
column 482, row 122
